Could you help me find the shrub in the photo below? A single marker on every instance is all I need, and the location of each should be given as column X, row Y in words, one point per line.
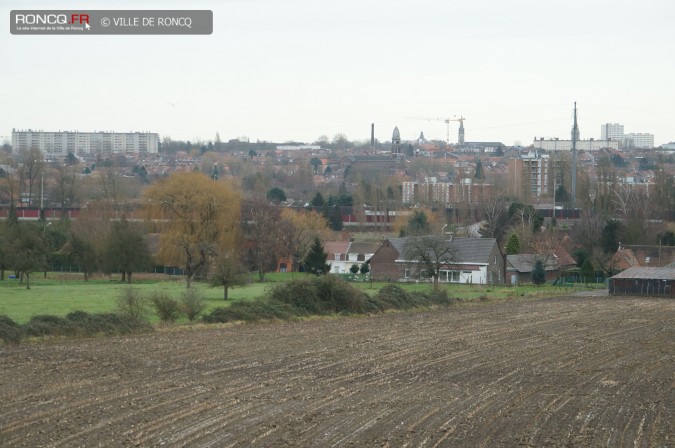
column 393, row 297
column 192, row 304
column 251, row 311
column 132, row 304
column 167, row 309
column 300, row 294
column 320, row 295
column 338, row 296
column 107, row 323
column 49, row 326
column 10, row 331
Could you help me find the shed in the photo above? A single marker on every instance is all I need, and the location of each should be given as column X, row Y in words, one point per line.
column 641, row 281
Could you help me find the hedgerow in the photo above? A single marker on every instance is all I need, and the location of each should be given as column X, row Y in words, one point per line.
column 77, row 323
column 321, row 296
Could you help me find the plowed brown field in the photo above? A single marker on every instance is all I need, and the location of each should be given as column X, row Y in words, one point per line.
column 570, row 371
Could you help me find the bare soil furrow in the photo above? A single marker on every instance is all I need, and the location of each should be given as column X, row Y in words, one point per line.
column 569, row 371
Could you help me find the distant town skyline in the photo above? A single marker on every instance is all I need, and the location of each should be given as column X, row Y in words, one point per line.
column 296, row 70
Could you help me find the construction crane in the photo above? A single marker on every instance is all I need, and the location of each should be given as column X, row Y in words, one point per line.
column 447, row 121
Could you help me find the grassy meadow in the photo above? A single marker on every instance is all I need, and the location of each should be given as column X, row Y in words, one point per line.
column 60, row 294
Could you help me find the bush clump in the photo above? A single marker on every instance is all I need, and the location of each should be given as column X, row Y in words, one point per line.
column 251, row 311
column 392, row 297
column 167, row 309
column 321, row 295
column 10, row 331
column 77, row 323
column 192, row 304
column 48, row 325
column 107, row 323
column 131, row 303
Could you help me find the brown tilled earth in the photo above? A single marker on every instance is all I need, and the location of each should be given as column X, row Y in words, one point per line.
column 570, row 371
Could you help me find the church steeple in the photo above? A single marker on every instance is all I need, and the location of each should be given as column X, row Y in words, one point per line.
column 396, row 141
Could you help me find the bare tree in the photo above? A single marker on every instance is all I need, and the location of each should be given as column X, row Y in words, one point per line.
column 623, row 199
column 496, row 219
column 66, row 182
column 428, row 254
column 31, row 168
column 606, row 261
column 263, row 231
column 228, row 272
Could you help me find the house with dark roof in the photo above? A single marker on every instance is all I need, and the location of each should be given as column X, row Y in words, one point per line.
column 473, row 261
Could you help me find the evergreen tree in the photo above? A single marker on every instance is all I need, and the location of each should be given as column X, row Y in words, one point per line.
column 418, row 224
column 334, row 217
column 354, row 269
column 513, row 245
column 276, row 195
column 365, row 268
column 315, row 261
column 538, row 273
column 317, row 201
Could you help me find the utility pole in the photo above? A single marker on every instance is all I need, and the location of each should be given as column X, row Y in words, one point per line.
column 42, row 196
column 575, row 136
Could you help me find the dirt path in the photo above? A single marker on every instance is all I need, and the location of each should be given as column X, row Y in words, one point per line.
column 576, row 371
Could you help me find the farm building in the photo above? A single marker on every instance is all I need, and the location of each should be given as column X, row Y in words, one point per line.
column 639, row 281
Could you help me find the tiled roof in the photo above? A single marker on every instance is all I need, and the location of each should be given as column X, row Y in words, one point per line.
column 473, row 250
column 336, row 247
column 364, row 247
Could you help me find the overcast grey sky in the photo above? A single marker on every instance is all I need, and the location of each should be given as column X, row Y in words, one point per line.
column 281, row 70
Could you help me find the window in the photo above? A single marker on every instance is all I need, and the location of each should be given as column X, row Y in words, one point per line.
column 337, row 257
column 406, row 273
column 360, row 257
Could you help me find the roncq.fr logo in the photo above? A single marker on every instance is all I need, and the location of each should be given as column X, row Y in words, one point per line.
column 51, row 19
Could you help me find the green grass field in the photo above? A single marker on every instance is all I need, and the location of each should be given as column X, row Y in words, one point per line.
column 61, row 294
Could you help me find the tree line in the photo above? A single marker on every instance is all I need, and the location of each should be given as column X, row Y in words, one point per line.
column 204, row 227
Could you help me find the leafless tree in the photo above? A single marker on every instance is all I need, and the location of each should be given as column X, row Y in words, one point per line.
column 31, row 167
column 496, row 219
column 428, row 254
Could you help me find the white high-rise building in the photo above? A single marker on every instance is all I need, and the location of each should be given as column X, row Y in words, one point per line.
column 59, row 144
column 566, row 145
column 615, row 132
column 638, row 140
column 611, row 131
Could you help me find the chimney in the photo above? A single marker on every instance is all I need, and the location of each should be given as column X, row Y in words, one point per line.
column 372, row 135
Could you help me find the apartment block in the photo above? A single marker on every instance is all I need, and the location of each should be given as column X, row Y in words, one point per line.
column 60, row 143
